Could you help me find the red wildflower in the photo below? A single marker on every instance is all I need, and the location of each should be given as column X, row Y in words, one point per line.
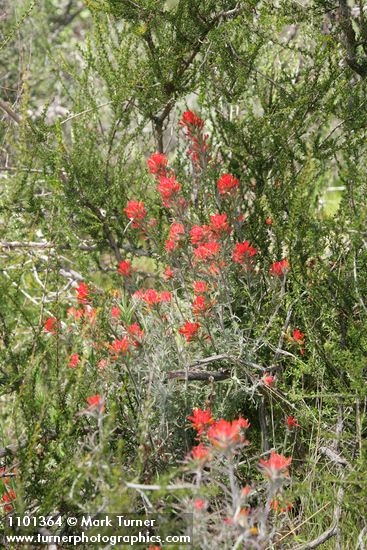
column 292, row 422
column 135, row 210
column 278, row 507
column 168, row 273
column 298, row 336
column 82, row 292
column 189, row 330
column 215, row 269
column 207, row 250
column 200, row 452
column 276, row 466
column 197, row 234
column 168, row 188
column 200, row 287
column 170, row 245
column 115, row 312
column 120, row 346
column 125, row 268
column 151, row 297
column 74, row 360
column 199, row 305
column 8, row 499
column 224, row 434
column 219, row 224
column 157, row 164
column 278, row 269
column 4, row 472
column 191, row 120
column 227, row 183
column 268, row 379
column 243, row 252
column 77, row 313
column 199, row 504
column 201, row 419
column 268, row 221
column 51, row 325
column 165, row 296
column 176, row 230
column 96, row 402
column 136, row 332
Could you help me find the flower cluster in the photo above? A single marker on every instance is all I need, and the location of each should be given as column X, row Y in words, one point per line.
column 74, row 360
column 135, row 211
column 299, row 338
column 279, row 269
column 224, row 434
column 212, row 266
column 227, row 185
column 169, row 189
column 152, row 297
column 276, row 467
column 9, row 496
column 96, row 403
column 82, row 292
column 157, row 164
column 124, row 268
column 193, row 126
column 189, row 330
column 87, row 313
column 221, row 434
column 243, row 252
column 292, row 422
column 176, row 231
column 51, row 325
column 201, row 419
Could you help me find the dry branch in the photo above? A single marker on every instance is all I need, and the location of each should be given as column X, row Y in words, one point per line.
column 197, row 375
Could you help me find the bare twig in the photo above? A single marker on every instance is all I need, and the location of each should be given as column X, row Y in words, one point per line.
column 197, row 375
column 334, row 457
column 141, row 487
column 41, row 245
column 76, row 115
column 9, row 111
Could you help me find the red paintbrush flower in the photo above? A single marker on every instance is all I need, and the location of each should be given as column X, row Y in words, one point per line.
column 125, row 268
column 276, row 467
column 201, row 419
column 227, row 184
column 189, row 330
column 278, row 269
column 224, row 434
column 157, row 164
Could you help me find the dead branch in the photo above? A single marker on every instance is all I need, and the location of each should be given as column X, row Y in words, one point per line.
column 197, row 375
column 9, row 111
column 334, row 457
